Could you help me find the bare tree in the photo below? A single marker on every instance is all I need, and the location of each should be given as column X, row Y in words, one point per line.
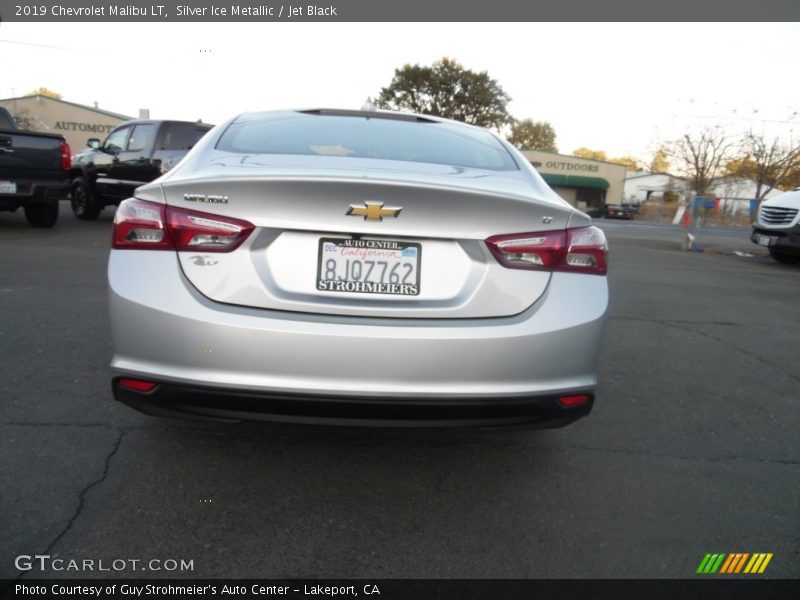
column 701, row 158
column 770, row 161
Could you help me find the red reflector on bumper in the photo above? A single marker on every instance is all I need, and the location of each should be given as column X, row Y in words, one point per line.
column 137, row 385
column 570, row 401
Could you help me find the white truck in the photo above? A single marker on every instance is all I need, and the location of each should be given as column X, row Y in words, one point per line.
column 778, row 227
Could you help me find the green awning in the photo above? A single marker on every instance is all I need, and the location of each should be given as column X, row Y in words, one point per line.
column 575, row 181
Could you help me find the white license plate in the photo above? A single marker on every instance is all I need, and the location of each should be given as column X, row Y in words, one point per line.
column 764, row 240
column 369, row 266
column 8, row 187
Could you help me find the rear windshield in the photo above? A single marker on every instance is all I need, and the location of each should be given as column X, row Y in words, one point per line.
column 181, row 136
column 5, row 120
column 360, row 137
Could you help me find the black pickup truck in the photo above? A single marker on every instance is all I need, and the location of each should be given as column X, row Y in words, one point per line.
column 33, row 171
column 134, row 153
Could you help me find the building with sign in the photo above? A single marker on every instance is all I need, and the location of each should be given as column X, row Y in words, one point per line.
column 582, row 182
column 76, row 122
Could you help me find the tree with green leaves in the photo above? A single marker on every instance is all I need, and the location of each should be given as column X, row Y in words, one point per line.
column 660, row 161
column 628, row 161
column 43, row 91
column 446, row 89
column 590, row 154
column 533, row 135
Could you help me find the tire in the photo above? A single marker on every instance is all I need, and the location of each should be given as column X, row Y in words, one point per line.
column 84, row 203
column 41, row 214
column 784, row 257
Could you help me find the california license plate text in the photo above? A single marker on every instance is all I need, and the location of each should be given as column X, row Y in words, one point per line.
column 369, row 266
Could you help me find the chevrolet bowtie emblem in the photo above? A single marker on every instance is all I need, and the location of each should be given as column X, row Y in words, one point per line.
column 373, row 211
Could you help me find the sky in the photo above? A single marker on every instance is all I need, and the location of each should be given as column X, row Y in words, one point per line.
column 619, row 87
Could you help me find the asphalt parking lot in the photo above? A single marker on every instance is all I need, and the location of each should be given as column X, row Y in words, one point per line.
column 692, row 447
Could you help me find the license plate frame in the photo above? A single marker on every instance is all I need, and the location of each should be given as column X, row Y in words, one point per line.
column 8, row 187
column 403, row 284
column 764, row 240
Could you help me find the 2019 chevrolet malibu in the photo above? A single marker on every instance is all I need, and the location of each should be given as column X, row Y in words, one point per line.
column 356, row 267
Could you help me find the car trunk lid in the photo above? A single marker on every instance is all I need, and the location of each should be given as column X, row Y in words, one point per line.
column 317, row 231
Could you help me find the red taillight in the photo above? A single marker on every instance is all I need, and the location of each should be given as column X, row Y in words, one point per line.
column 587, row 251
column 137, row 385
column 195, row 230
column 542, row 250
column 66, row 156
column 139, row 225
column 570, row 401
column 581, row 250
column 143, row 225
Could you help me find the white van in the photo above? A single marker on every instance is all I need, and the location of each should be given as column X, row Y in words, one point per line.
column 778, row 227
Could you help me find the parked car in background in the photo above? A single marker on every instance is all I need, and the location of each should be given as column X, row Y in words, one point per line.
column 597, row 212
column 134, row 153
column 619, row 211
column 778, row 227
column 33, row 171
column 613, row 211
column 356, row 267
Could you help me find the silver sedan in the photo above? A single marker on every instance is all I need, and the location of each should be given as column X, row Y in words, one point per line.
column 353, row 267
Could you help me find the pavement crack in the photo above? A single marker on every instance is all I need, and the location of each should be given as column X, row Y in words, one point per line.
column 683, row 326
column 750, row 353
column 122, row 432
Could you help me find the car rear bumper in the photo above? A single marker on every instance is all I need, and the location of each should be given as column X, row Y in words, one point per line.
column 29, row 193
column 165, row 331
column 177, row 400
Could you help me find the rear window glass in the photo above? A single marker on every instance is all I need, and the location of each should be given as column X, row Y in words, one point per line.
column 142, row 137
column 360, row 137
column 181, row 136
column 5, row 120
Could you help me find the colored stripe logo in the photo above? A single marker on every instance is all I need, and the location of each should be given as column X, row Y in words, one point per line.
column 737, row 562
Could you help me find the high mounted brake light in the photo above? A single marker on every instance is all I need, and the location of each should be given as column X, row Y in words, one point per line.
column 144, row 225
column 580, row 250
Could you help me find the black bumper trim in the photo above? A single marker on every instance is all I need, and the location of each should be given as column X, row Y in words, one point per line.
column 179, row 400
column 787, row 239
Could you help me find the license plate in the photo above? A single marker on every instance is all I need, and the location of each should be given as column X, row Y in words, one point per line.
column 369, row 266
column 8, row 187
column 764, row 240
